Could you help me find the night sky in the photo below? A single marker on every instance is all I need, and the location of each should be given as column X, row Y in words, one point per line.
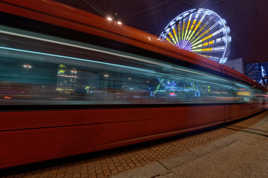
column 246, row 18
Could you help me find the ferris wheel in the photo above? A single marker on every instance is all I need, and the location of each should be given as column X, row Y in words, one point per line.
column 201, row 31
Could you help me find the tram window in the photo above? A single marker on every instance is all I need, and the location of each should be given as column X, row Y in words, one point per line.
column 35, row 76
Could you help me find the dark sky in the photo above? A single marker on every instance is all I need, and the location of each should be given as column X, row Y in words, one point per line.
column 248, row 19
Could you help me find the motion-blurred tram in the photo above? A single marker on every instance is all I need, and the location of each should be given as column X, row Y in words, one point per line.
column 72, row 83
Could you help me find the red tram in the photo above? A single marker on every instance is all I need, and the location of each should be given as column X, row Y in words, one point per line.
column 99, row 85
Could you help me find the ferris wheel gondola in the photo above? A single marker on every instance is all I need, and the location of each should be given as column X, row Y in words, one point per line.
column 201, row 31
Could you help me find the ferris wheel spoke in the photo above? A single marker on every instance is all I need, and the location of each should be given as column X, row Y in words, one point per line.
column 211, row 49
column 198, row 32
column 188, row 26
column 210, row 29
column 201, row 31
column 197, row 26
column 191, row 29
column 209, row 43
column 169, row 40
column 183, row 25
column 212, row 42
column 172, row 38
column 208, row 36
column 194, row 31
column 179, row 31
column 175, row 34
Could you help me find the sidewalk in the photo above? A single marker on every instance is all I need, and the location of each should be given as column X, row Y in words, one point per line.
column 242, row 154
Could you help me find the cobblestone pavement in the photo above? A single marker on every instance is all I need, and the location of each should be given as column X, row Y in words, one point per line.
column 242, row 154
column 159, row 154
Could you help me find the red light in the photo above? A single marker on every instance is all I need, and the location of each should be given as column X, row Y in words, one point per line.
column 7, row 97
column 172, row 94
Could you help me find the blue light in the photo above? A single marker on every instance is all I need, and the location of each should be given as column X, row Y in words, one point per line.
column 75, row 58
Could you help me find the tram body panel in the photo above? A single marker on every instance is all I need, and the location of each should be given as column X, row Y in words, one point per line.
column 236, row 111
column 83, row 98
column 40, row 136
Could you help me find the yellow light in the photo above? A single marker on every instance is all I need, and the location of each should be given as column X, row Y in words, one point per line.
column 61, row 71
column 119, row 22
column 204, row 49
column 175, row 34
column 243, row 93
column 171, row 36
column 168, row 40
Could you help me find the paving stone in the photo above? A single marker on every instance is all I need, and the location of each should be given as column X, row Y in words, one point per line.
column 235, row 159
column 153, row 169
column 178, row 160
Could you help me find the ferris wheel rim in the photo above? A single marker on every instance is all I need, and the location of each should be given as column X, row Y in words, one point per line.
column 226, row 39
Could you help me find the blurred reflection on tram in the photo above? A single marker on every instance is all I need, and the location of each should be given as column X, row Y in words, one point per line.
column 30, row 77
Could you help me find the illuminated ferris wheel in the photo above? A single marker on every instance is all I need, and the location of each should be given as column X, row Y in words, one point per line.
column 202, row 31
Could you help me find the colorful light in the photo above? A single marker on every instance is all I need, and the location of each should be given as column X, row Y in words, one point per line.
column 172, row 94
column 26, row 66
column 201, row 31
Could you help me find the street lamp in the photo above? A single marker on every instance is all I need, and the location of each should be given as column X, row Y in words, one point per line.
column 109, row 18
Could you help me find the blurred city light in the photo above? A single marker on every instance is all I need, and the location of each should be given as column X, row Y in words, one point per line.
column 119, row 22
column 27, row 66
column 109, row 18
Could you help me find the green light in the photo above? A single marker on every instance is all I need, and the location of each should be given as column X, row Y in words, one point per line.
column 77, row 59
